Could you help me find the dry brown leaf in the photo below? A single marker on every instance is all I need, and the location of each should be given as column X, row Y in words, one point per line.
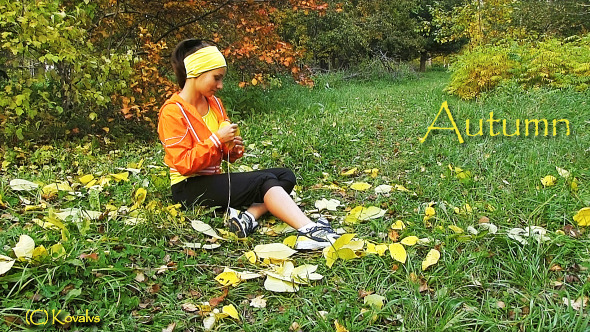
column 213, row 302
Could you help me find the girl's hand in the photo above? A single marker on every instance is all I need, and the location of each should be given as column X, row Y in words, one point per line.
column 227, row 133
column 238, row 147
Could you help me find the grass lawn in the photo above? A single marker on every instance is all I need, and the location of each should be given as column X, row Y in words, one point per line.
column 129, row 265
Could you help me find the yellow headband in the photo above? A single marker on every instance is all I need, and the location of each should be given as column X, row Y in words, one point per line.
column 205, row 59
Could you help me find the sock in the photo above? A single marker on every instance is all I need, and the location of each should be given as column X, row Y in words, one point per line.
column 251, row 217
column 307, row 227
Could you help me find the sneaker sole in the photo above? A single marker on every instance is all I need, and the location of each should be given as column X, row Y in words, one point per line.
column 311, row 245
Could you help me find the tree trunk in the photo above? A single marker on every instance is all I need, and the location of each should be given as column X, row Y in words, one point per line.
column 423, row 59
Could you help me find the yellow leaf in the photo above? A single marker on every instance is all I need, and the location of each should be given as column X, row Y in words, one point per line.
column 562, row 172
column 254, row 81
column 383, row 189
column 429, row 212
column 360, row 186
column 456, row 229
column 228, row 278
column 231, row 311
column 398, row 225
column 361, row 213
column 342, row 240
column 290, row 241
column 574, row 184
column 431, row 258
column 350, row 172
column 409, row 240
column 23, row 250
column 140, row 195
column 6, row 264
column 273, row 250
column 373, row 172
column 251, row 256
column 54, row 188
column 204, row 228
column 39, row 253
column 398, row 252
column 356, row 245
column 374, row 300
column 86, row 178
column 399, row 187
column 277, row 285
column 378, row 249
column 57, row 250
column 124, row 176
column 548, row 181
column 339, row 328
column 343, row 253
column 583, row 217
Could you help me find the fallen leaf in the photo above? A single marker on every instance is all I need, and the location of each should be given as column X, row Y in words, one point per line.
column 231, row 311
column 209, row 322
column 409, row 240
column 22, row 185
column 258, row 302
column 202, row 246
column 124, row 176
column 383, row 189
column 361, row 213
column 548, row 181
column 398, row 225
column 339, row 328
column 170, row 327
column 350, row 172
column 228, row 278
column 93, row 256
column 373, row 172
column 273, row 250
column 491, row 228
column 374, row 300
column 139, row 196
column 563, row 173
column 431, row 258
column 325, row 204
column 23, row 250
column 204, row 228
column 398, row 252
column 360, row 186
column 53, row 188
column 215, row 301
column 456, row 229
column 251, row 256
column 578, row 304
column 583, row 217
column 335, row 251
column 86, row 178
column 6, row 264
column 378, row 249
column 281, row 286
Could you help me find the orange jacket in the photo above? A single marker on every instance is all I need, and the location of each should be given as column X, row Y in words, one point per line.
column 190, row 147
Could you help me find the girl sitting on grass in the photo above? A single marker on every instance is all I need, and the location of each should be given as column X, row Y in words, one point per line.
column 196, row 134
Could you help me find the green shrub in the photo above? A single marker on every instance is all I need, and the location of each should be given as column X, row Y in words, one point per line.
column 552, row 63
column 53, row 73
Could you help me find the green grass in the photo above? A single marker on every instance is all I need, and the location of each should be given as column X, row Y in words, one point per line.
column 489, row 282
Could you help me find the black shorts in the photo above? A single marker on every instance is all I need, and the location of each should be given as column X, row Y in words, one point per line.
column 246, row 188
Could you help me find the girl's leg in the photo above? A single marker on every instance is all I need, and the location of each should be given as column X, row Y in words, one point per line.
column 281, row 205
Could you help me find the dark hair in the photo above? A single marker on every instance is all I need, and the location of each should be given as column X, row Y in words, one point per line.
column 182, row 50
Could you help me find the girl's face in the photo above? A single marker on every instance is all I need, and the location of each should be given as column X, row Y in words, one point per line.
column 210, row 82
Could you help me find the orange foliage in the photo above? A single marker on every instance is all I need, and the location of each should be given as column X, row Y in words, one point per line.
column 244, row 30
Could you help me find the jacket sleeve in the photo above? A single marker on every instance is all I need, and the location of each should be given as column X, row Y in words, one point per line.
column 184, row 152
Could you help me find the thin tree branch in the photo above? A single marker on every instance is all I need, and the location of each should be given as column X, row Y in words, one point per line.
column 193, row 20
